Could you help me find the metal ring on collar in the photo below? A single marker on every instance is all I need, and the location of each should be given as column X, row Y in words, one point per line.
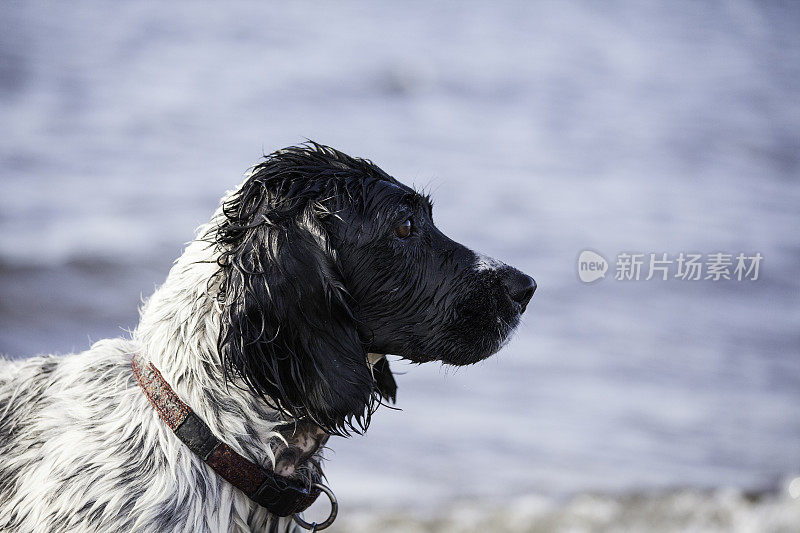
column 313, row 526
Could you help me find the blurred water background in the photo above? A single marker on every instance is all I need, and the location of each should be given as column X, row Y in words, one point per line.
column 541, row 130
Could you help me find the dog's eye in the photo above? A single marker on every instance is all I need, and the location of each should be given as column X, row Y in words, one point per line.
column 403, row 230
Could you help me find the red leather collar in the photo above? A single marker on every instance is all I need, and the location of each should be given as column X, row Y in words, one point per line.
column 281, row 496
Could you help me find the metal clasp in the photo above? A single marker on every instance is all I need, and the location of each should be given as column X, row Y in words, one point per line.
column 313, row 526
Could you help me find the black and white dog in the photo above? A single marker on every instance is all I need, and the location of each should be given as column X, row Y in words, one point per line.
column 269, row 328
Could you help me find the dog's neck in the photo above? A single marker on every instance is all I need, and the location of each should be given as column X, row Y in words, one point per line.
column 178, row 331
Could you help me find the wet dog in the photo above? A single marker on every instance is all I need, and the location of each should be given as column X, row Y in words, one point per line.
column 266, row 338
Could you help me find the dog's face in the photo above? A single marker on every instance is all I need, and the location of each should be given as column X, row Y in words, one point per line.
column 325, row 258
column 417, row 293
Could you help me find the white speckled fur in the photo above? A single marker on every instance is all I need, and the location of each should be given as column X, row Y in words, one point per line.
column 81, row 449
column 484, row 262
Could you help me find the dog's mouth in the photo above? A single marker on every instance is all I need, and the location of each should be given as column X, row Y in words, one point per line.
column 301, row 455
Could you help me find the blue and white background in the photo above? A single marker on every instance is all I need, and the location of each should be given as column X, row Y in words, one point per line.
column 541, row 129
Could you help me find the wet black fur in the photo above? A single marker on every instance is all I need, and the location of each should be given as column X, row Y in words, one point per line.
column 313, row 277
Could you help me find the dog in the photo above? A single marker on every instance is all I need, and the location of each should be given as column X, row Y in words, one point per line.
column 267, row 337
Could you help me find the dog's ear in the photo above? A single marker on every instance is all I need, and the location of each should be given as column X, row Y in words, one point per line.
column 287, row 331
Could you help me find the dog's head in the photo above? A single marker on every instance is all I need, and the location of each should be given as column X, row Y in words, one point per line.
column 325, row 258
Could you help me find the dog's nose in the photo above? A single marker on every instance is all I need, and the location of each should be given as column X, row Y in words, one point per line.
column 520, row 288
